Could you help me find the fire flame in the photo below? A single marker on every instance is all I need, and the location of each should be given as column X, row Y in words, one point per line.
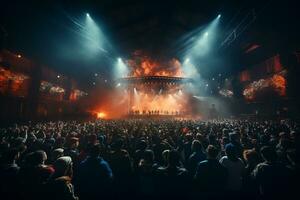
column 145, row 66
column 277, row 83
column 101, row 115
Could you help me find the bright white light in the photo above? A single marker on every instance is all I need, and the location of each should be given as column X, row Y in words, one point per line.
column 120, row 69
column 206, row 85
column 205, row 41
column 94, row 37
column 118, row 85
column 219, row 15
column 87, row 14
column 187, row 60
column 58, row 76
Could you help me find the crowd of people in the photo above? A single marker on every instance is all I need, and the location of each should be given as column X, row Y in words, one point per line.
column 150, row 159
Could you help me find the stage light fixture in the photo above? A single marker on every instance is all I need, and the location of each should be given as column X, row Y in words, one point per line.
column 87, row 14
column 219, row 15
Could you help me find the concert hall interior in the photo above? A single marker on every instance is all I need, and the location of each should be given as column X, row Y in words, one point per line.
column 149, row 99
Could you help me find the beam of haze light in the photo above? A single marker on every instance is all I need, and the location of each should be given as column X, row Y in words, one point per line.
column 189, row 69
column 95, row 38
column 120, row 69
column 205, row 40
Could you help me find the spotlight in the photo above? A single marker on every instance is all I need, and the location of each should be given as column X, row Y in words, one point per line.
column 206, row 34
column 87, row 14
column 119, row 59
column 219, row 15
column 58, row 76
column 187, row 60
column 19, row 56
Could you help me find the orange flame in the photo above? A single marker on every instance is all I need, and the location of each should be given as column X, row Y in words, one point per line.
column 101, row 115
column 277, row 83
column 144, row 66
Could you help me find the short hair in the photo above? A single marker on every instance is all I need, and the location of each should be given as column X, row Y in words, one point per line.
column 143, row 144
column 149, row 155
column 118, row 144
column 95, row 150
column 212, row 151
column 268, row 153
column 174, row 158
column 250, row 155
column 230, row 150
column 197, row 146
column 36, row 158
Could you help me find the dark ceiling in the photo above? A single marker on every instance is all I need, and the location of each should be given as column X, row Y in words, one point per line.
column 42, row 30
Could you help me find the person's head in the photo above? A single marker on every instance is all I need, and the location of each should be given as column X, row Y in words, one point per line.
column 93, row 139
column 57, row 153
column 149, row 156
column 251, row 156
column 118, row 144
column 188, row 137
column 165, row 156
column 63, row 166
column 230, row 151
column 73, row 142
column 94, row 151
column 234, row 137
column 199, row 137
column 173, row 158
column 197, row 146
column 60, row 142
column 268, row 154
column 142, row 145
column 36, row 158
column 212, row 152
